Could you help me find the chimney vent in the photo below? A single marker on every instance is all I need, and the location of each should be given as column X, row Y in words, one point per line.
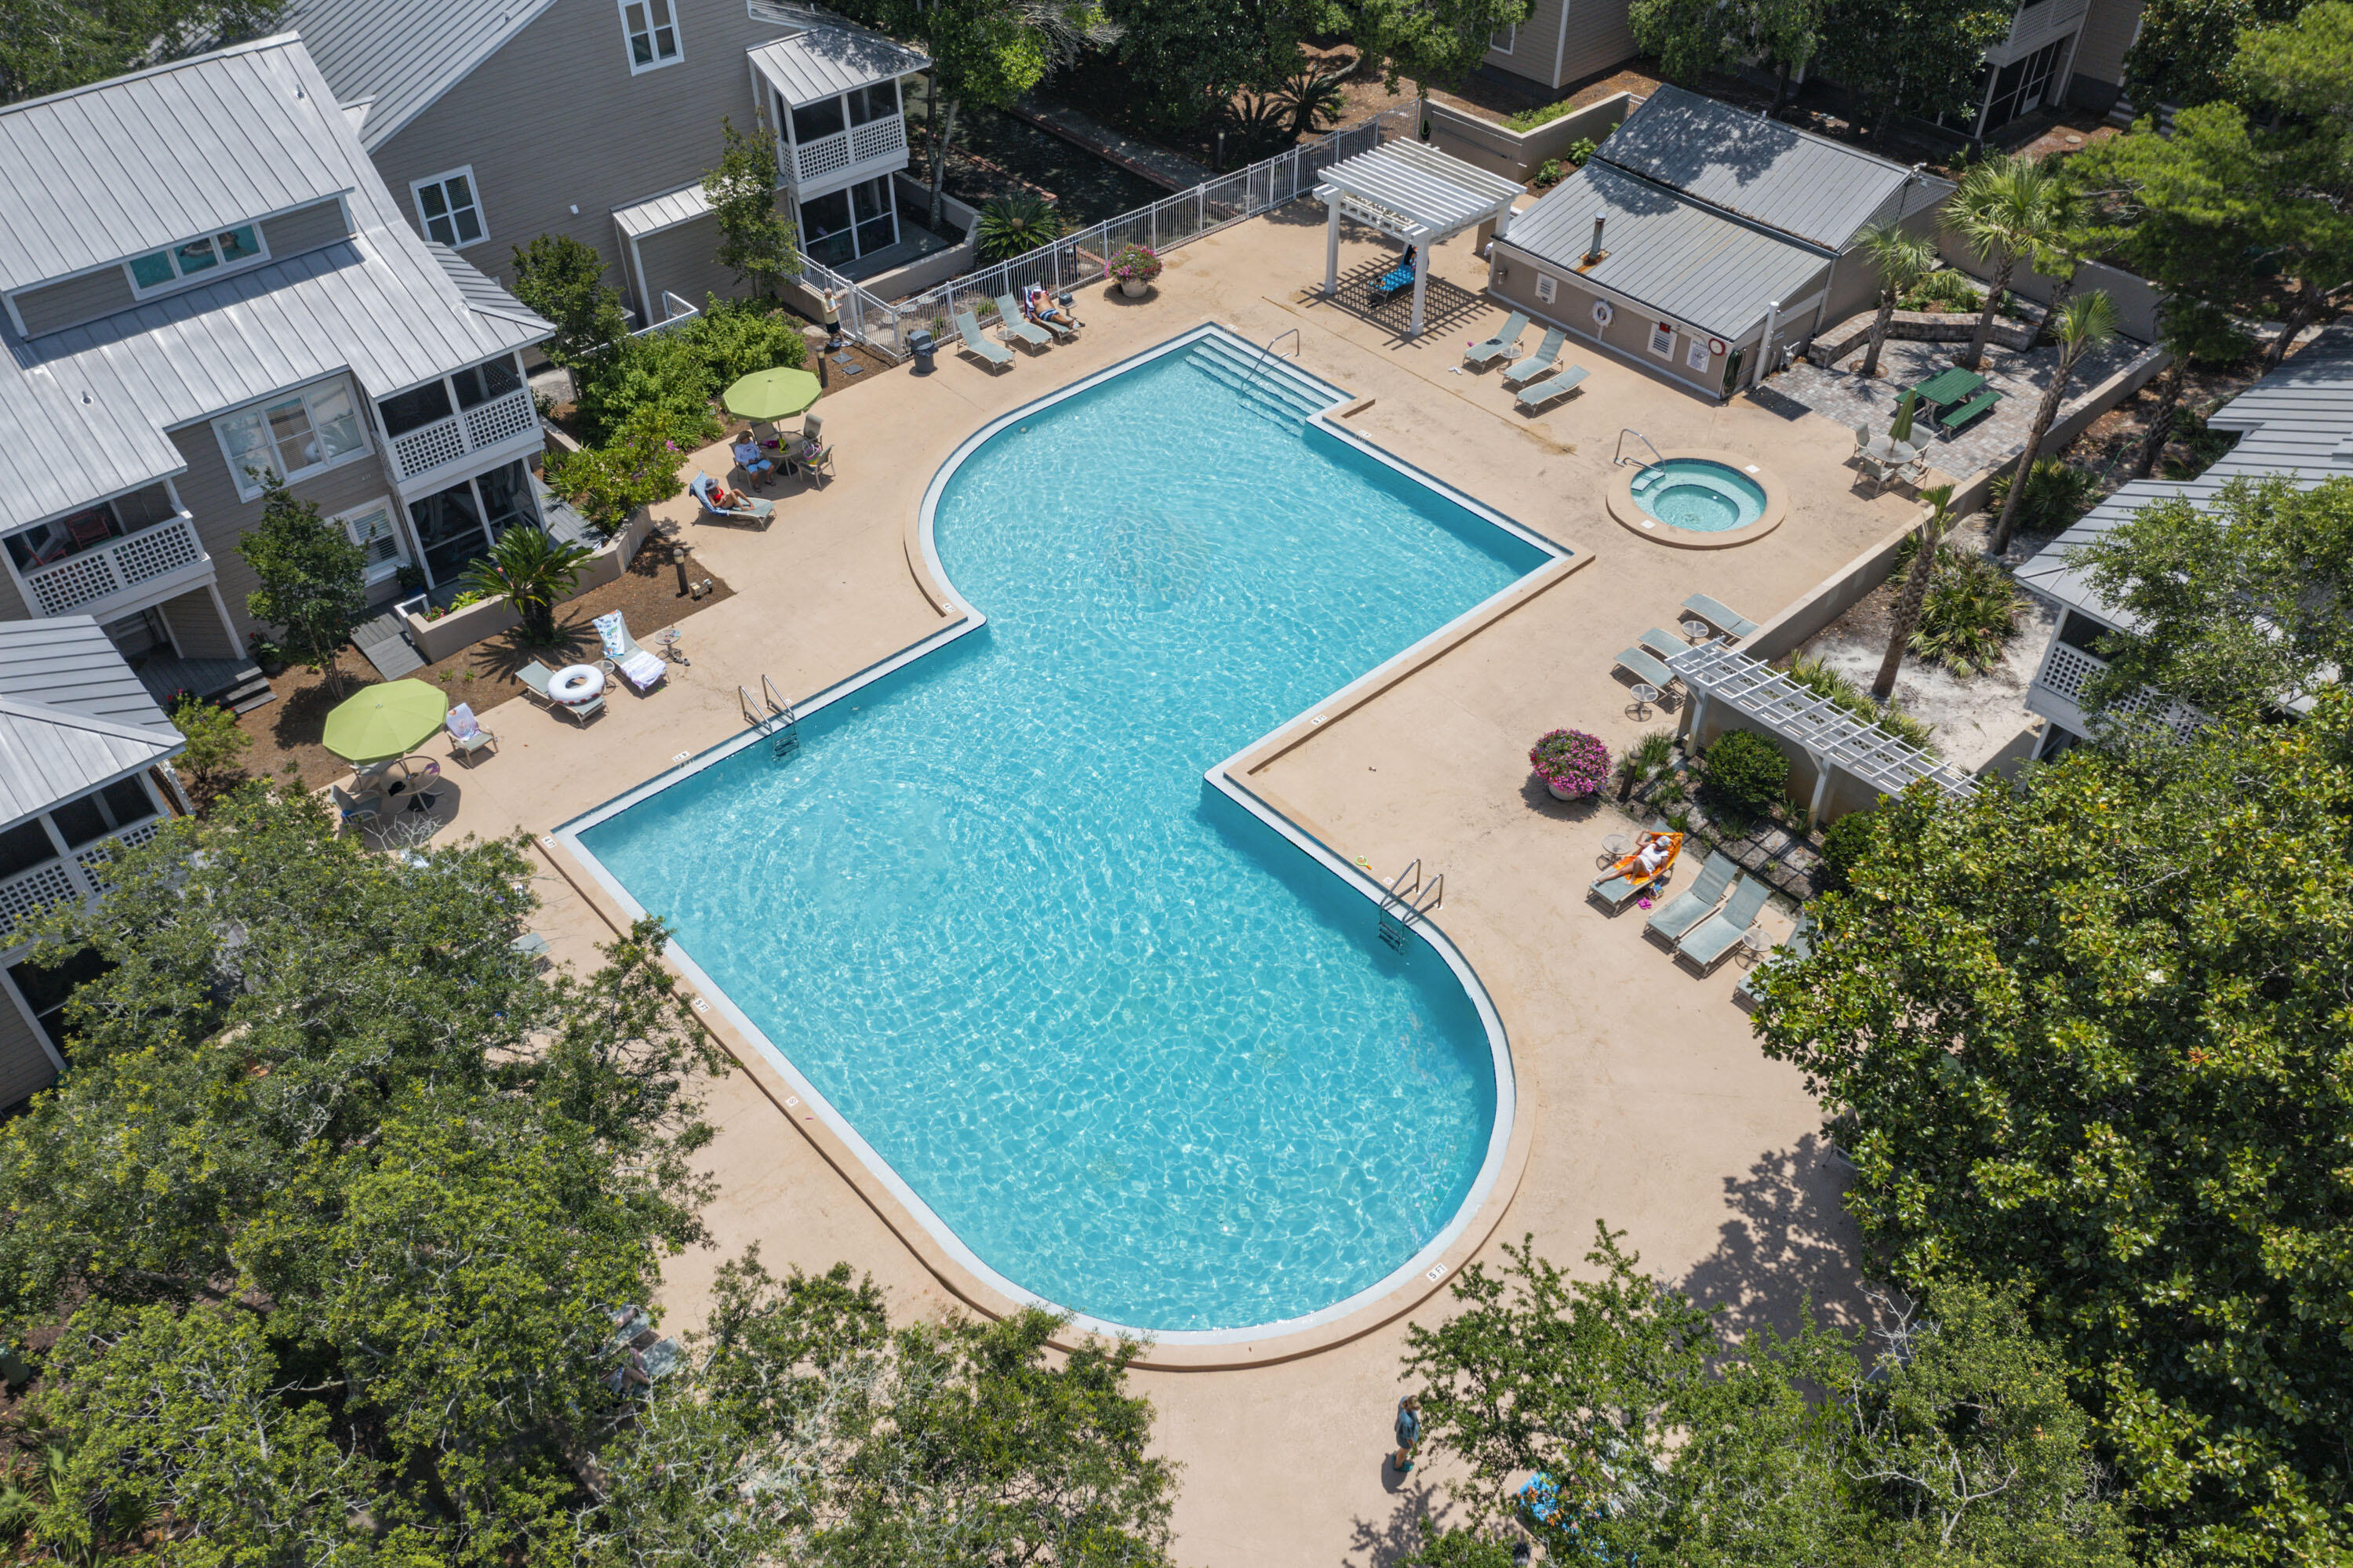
column 1593, row 252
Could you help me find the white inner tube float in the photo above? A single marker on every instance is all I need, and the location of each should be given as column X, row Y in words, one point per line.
column 577, row 684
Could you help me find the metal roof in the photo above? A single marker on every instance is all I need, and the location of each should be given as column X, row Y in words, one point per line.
column 403, row 54
column 93, row 401
column 682, row 206
column 1717, row 673
column 2297, row 422
column 1419, row 193
column 1818, row 190
column 73, row 716
column 1678, row 257
column 100, row 173
column 826, row 62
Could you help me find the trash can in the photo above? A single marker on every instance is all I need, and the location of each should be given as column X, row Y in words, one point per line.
column 919, row 345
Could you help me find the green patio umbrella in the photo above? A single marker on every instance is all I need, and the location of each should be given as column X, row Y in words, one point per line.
column 771, row 394
column 386, row 721
column 1902, row 429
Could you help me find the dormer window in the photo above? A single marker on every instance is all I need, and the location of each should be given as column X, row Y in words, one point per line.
column 169, row 268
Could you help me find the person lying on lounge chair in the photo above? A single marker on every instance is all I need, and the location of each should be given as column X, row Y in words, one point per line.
column 1039, row 307
column 1651, row 851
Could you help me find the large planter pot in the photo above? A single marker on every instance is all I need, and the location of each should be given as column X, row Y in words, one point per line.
column 1563, row 792
column 1133, row 287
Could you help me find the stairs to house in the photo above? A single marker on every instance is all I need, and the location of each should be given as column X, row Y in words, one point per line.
column 1275, row 384
column 384, row 642
column 237, row 685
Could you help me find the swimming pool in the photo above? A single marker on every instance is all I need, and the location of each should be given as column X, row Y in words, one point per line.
column 1121, row 1043
column 1700, row 495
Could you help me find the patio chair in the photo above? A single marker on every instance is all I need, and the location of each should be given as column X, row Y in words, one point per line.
column 1687, row 909
column 1614, row 888
column 1643, row 667
column 1705, row 944
column 1536, row 396
column 753, row 510
column 536, row 677
column 530, row 945
column 642, row 670
column 811, row 452
column 1861, row 439
column 1874, row 471
column 1539, row 362
column 1665, row 644
column 466, row 735
column 364, row 810
column 1505, row 339
column 990, row 354
column 1014, row 327
column 1800, row 944
column 1394, row 281
column 1725, row 619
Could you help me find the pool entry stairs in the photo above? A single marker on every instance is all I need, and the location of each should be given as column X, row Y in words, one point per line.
column 1286, row 392
column 774, row 716
column 1407, row 898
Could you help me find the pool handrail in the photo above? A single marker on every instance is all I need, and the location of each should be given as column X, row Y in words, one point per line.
column 1619, row 456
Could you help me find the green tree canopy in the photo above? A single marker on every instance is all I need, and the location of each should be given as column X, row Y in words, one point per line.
column 1909, row 56
column 314, row 580
column 2091, row 1037
column 755, row 240
column 1693, row 38
column 48, row 46
column 1431, row 42
column 2185, row 48
column 1185, row 58
column 564, row 281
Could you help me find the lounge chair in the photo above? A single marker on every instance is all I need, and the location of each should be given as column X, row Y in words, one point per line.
column 1665, row 644
column 1394, row 281
column 1505, row 339
column 642, row 670
column 1014, row 327
column 466, row 735
column 1800, row 944
column 753, row 510
column 1551, row 386
column 1614, row 887
column 1729, row 622
column 530, row 945
column 1706, row 943
column 992, row 354
column 536, row 677
column 1687, row 909
column 364, row 810
column 1646, row 668
column 1539, row 362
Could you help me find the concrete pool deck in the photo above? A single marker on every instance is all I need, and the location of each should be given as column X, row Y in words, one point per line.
column 1644, row 1100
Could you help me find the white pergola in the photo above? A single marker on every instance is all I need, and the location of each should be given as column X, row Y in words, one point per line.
column 1830, row 736
column 1417, row 194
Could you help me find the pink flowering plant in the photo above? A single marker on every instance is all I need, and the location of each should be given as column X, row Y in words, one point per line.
column 1571, row 762
column 1133, row 264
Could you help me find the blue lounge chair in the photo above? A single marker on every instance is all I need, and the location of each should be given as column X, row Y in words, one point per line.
column 1551, row 386
column 1705, row 944
column 1503, row 343
column 1729, row 622
column 1019, row 328
column 1665, row 644
column 992, row 354
column 1672, row 919
column 1539, row 362
column 1645, row 667
column 1800, row 944
column 1394, row 281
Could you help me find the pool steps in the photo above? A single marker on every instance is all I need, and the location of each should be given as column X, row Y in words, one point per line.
column 1272, row 384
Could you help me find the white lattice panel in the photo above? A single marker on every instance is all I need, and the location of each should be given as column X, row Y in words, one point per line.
column 2068, row 669
column 76, row 581
column 28, row 892
column 877, row 137
column 430, row 447
column 154, row 552
column 95, row 857
column 824, row 158
column 501, row 419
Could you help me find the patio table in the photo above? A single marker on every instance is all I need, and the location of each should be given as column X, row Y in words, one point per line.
column 1888, row 451
column 1949, row 386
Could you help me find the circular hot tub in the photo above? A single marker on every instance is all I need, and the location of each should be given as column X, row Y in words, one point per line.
column 1700, row 500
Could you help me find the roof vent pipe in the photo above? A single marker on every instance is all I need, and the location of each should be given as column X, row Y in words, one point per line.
column 1593, row 251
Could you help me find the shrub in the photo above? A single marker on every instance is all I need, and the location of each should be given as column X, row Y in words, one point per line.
column 1578, row 151
column 1549, row 171
column 2057, row 492
column 1571, row 761
column 636, row 467
column 1529, row 119
column 683, row 369
column 1747, row 771
column 215, row 742
column 1016, row 225
column 1969, row 613
column 1943, row 290
column 1845, row 844
column 1134, row 263
column 2205, row 445
column 1818, row 677
column 1646, row 761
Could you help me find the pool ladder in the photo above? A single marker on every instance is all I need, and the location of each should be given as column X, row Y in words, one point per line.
column 1621, row 454
column 783, row 725
column 1407, row 898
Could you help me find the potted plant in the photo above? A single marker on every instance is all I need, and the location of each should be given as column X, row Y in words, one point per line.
column 266, row 654
column 1572, row 763
column 1134, row 266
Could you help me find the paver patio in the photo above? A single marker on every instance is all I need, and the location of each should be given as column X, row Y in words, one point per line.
column 1651, row 1106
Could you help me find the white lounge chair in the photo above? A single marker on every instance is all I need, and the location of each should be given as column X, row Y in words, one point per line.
column 1705, row 944
column 466, row 735
column 535, row 677
column 1729, row 622
column 642, row 670
column 1014, row 327
column 753, row 510
column 1550, row 387
column 993, row 353
column 1504, row 341
column 1539, row 362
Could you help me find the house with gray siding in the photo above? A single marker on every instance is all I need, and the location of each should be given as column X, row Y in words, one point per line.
column 85, row 768
column 1701, row 242
column 2296, row 423
column 598, row 119
column 205, row 283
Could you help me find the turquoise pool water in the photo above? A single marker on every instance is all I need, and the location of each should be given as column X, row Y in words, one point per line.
column 1139, row 1053
column 1702, row 497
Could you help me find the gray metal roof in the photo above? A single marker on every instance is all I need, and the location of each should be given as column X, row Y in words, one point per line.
column 1683, row 261
column 403, row 54
column 73, row 716
column 100, row 173
column 1419, row 193
column 826, row 62
column 93, row 401
column 2297, row 422
column 1818, row 190
column 666, row 211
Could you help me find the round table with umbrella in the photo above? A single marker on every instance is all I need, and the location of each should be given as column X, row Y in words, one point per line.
column 766, row 396
column 382, row 724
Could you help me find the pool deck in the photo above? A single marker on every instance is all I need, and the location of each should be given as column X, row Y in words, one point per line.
column 1644, row 1100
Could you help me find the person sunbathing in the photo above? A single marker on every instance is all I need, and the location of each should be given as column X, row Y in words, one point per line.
column 1039, row 306
column 1652, row 852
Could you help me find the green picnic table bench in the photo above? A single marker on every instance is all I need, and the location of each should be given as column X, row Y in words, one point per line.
column 1947, row 388
column 1981, row 404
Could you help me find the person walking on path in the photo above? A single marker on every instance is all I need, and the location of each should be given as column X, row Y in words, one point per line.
column 1408, row 1433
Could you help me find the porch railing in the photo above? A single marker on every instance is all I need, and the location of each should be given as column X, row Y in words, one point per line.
column 2068, row 670
column 76, row 877
column 116, row 566
column 875, row 138
column 446, row 441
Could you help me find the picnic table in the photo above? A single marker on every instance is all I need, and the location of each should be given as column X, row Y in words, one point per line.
column 1949, row 386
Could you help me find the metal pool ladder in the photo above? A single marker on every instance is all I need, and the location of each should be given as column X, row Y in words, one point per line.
column 1407, row 898
column 782, row 725
column 1267, row 347
column 1620, row 456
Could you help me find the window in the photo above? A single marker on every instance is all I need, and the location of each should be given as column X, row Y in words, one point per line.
column 652, row 31
column 169, row 268
column 1504, row 37
column 296, row 435
column 815, row 122
column 24, row 846
column 1545, row 289
column 478, row 383
column 372, row 528
column 879, row 101
column 414, row 409
column 1697, row 356
column 449, row 209
column 1663, row 339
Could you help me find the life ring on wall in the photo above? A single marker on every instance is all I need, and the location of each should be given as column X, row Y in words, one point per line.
column 1715, row 347
column 576, row 684
column 1603, row 312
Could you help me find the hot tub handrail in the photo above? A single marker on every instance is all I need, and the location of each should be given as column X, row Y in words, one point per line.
column 1619, row 456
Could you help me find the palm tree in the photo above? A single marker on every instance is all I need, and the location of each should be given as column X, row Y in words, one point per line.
column 2084, row 323
column 2008, row 209
column 1901, row 260
column 1915, row 587
column 534, row 570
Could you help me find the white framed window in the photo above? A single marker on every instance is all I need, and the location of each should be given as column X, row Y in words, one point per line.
column 375, row 530
column 450, row 208
column 1697, row 356
column 188, row 262
column 1545, row 289
column 294, row 435
column 651, row 28
column 1502, row 40
column 1663, row 339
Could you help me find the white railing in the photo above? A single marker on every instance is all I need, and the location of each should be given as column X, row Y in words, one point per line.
column 859, row 144
column 2068, row 670
column 675, row 313
column 1082, row 257
column 446, row 441
column 116, row 566
column 77, row 877
column 877, row 138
